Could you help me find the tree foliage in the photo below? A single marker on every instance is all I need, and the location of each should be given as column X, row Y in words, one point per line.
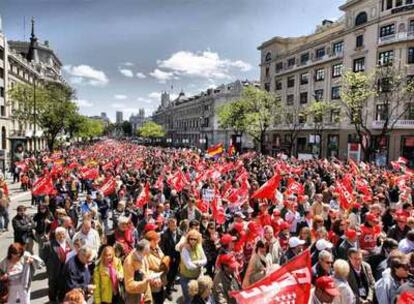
column 90, row 128
column 48, row 105
column 151, row 130
column 254, row 113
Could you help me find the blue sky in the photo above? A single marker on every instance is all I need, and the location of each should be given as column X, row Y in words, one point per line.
column 120, row 54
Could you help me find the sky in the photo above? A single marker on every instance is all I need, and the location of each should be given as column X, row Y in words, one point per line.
column 119, row 55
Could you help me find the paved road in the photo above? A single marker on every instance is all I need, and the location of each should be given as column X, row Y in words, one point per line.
column 39, row 286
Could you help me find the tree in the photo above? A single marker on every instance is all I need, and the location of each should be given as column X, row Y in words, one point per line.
column 126, row 128
column 90, row 128
column 295, row 117
column 319, row 111
column 254, row 113
column 51, row 109
column 151, row 130
column 390, row 89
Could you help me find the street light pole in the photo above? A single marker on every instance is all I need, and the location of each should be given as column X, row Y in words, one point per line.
column 34, row 113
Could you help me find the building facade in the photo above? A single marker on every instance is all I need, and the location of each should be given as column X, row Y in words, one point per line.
column 193, row 120
column 32, row 63
column 137, row 120
column 307, row 68
column 119, row 117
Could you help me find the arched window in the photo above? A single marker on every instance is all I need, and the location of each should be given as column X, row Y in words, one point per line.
column 361, row 18
column 3, row 138
column 268, row 57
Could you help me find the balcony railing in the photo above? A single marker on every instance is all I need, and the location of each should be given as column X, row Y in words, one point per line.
column 402, row 36
column 400, row 124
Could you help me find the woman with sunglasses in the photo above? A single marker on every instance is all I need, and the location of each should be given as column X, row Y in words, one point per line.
column 192, row 260
column 17, row 272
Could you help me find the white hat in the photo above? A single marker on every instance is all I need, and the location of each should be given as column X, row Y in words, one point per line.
column 323, row 244
column 295, row 242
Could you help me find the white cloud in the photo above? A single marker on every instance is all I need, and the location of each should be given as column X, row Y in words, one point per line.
column 127, row 73
column 85, row 74
column 205, row 64
column 162, row 76
column 83, row 103
column 140, row 75
column 117, row 105
column 155, row 95
column 145, row 100
column 120, row 97
column 127, row 63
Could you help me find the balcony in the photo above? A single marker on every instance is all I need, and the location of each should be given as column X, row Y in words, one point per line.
column 401, row 124
column 398, row 37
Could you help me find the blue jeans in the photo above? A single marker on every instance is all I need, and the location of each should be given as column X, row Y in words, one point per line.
column 184, row 286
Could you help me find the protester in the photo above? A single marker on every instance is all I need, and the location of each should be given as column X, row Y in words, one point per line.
column 325, row 291
column 341, row 272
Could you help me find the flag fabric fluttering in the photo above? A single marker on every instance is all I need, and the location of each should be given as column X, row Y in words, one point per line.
column 291, row 283
column 269, row 188
column 143, row 197
column 215, row 151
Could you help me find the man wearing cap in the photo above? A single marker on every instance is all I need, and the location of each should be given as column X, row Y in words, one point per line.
column 226, row 279
column 350, row 241
column 370, row 231
column 295, row 247
column 320, row 245
column 325, row 290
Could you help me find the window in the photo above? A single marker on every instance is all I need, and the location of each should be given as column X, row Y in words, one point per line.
column 303, row 97
column 409, row 114
column 1, row 53
column 1, row 92
column 267, row 72
column 359, row 65
column 1, row 73
column 411, row 26
column 337, row 70
column 361, row 18
column 389, row 4
column 278, row 84
column 304, row 58
column 387, row 30
column 320, row 75
column 3, row 138
column 304, row 78
column 291, row 82
column 338, row 47
column 2, row 110
column 318, row 95
column 408, row 2
column 386, row 58
column 291, row 62
column 302, row 118
column 301, row 144
column 336, row 93
column 289, row 119
column 334, row 116
column 267, row 87
column 320, row 53
column 410, row 55
column 290, row 99
column 381, row 112
column 384, row 85
column 279, row 66
column 398, row 3
column 268, row 57
column 359, row 41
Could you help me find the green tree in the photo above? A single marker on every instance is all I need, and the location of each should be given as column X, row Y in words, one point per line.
column 320, row 113
column 390, row 89
column 51, row 109
column 151, row 130
column 90, row 128
column 126, row 128
column 254, row 113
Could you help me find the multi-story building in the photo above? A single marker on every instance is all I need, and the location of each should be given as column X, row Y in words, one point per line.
column 307, row 68
column 119, row 117
column 193, row 120
column 137, row 120
column 30, row 63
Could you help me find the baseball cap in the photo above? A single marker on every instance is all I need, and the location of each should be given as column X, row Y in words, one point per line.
column 295, row 242
column 351, row 233
column 227, row 239
column 323, row 244
column 327, row 284
column 228, row 260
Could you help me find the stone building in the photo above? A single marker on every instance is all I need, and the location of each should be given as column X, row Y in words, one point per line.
column 32, row 63
column 302, row 69
column 193, row 120
column 137, row 120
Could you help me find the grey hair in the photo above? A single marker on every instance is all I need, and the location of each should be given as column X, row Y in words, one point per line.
column 324, row 254
column 142, row 245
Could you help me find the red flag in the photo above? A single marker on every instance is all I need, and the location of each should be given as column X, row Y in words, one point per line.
column 107, row 166
column 295, row 187
column 202, row 205
column 108, row 186
column 143, row 197
column 218, row 212
column 43, row 186
column 396, row 165
column 289, row 284
column 269, row 188
column 406, row 297
column 345, row 197
column 232, row 150
column 90, row 173
column 354, row 167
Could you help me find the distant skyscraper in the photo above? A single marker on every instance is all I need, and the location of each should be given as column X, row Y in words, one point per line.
column 119, row 118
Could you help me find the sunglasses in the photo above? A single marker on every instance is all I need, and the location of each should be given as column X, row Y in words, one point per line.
column 328, row 262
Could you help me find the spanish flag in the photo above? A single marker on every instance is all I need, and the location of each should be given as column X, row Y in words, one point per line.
column 232, row 150
column 215, row 150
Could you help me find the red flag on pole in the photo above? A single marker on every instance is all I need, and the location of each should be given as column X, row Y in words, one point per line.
column 43, row 186
column 289, row 284
column 89, row 173
column 108, row 186
column 269, row 188
column 143, row 197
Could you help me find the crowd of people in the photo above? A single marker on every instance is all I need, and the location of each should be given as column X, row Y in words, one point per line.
column 121, row 223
